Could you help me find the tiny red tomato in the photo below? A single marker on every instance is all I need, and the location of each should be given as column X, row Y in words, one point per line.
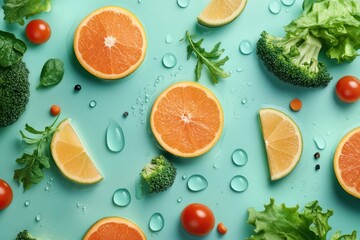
column 197, row 219
column 348, row 89
column 6, row 194
column 38, row 31
column 221, row 228
column 55, row 110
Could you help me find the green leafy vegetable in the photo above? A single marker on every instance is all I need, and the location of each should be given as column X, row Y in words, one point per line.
column 209, row 59
column 34, row 163
column 11, row 49
column 51, row 73
column 281, row 222
column 16, row 10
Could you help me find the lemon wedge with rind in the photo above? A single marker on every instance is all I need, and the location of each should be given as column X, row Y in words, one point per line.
column 221, row 12
column 71, row 156
column 283, row 141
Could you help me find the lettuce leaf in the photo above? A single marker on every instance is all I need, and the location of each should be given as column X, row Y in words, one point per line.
column 16, row 10
column 278, row 222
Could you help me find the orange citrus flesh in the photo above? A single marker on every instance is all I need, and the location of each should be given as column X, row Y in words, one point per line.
column 71, row 157
column 347, row 162
column 187, row 119
column 283, row 142
column 114, row 228
column 110, row 43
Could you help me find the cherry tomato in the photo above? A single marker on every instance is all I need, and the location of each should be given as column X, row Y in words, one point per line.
column 38, row 31
column 55, row 110
column 197, row 219
column 6, row 194
column 348, row 89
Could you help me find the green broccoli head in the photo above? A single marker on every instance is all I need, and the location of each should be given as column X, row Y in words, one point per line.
column 159, row 174
column 293, row 59
column 25, row 235
column 14, row 92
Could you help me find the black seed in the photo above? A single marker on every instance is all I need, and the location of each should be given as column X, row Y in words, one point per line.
column 125, row 114
column 317, row 155
column 77, row 87
column 317, row 167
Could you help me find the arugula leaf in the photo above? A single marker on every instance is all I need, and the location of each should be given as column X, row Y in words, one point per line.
column 16, row 10
column 11, row 49
column 34, row 163
column 209, row 59
column 51, row 73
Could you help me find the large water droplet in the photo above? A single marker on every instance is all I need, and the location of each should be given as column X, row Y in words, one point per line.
column 122, row 197
column 288, row 2
column 156, row 222
column 246, row 47
column 274, row 7
column 320, row 142
column 183, row 3
column 239, row 183
column 239, row 157
column 115, row 140
column 169, row 60
column 197, row 183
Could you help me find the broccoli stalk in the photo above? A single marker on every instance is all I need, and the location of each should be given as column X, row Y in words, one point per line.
column 25, row 235
column 159, row 174
column 294, row 59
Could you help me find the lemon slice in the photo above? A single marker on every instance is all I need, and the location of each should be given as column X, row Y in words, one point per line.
column 71, row 157
column 221, row 12
column 283, row 142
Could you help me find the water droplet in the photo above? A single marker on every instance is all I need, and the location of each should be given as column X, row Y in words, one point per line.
column 274, row 7
column 139, row 1
column 84, row 210
column 168, row 39
column 156, row 222
column 328, row 133
column 244, row 100
column 47, row 188
column 239, row 69
column 122, row 197
column 38, row 217
column 78, row 205
column 115, row 140
column 27, row 203
column 246, row 47
column 179, row 200
column 239, row 183
column 183, row 3
column 215, row 166
column 180, row 67
column 197, row 183
column 239, row 157
column 288, row 2
column 92, row 103
column 169, row 60
column 184, row 177
column 347, row 118
column 320, row 142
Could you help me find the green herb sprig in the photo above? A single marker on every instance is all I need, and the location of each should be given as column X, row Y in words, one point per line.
column 34, row 163
column 209, row 59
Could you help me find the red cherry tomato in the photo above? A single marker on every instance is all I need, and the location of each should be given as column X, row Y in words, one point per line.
column 38, row 31
column 197, row 219
column 6, row 194
column 348, row 89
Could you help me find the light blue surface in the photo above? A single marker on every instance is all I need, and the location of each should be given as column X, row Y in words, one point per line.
column 68, row 210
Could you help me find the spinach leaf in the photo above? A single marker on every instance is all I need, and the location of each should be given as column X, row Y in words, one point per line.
column 51, row 73
column 11, row 49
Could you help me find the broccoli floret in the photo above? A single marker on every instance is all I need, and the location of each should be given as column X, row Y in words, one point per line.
column 294, row 59
column 14, row 92
column 159, row 174
column 25, row 235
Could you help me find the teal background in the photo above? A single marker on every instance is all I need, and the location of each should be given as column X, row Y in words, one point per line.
column 61, row 207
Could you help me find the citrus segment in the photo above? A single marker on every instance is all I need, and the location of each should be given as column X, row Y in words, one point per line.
column 114, row 228
column 187, row 119
column 110, row 43
column 221, row 12
column 347, row 162
column 71, row 157
column 283, row 142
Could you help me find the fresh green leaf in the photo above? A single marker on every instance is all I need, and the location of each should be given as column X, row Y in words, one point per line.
column 207, row 58
column 52, row 73
column 16, row 10
column 339, row 236
column 11, row 49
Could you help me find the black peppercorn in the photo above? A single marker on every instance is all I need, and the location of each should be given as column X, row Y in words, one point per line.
column 317, row 155
column 125, row 114
column 317, row 167
column 77, row 87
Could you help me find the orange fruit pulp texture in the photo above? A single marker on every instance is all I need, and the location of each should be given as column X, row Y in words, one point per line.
column 347, row 162
column 114, row 228
column 187, row 119
column 110, row 43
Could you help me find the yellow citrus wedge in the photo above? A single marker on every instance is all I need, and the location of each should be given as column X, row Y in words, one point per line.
column 347, row 162
column 114, row 228
column 187, row 119
column 71, row 157
column 283, row 142
column 110, row 43
column 221, row 12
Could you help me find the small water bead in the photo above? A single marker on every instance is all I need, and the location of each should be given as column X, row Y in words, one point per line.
column 92, row 103
column 246, row 47
column 244, row 100
column 239, row 183
column 169, row 60
column 122, row 197
column 179, row 200
column 239, row 157
column 180, row 67
column 320, row 142
column 197, row 183
column 115, row 140
column 239, row 69
column 184, row 177
column 156, row 222
column 288, row 2
column 38, row 217
column 27, row 203
column 183, row 3
column 168, row 39
column 274, row 7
